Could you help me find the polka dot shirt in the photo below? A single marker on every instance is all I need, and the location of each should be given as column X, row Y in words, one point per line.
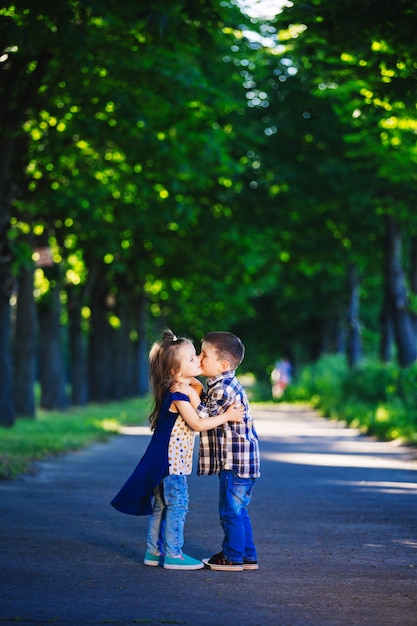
column 180, row 449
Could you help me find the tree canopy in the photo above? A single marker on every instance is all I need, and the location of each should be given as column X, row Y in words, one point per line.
column 183, row 164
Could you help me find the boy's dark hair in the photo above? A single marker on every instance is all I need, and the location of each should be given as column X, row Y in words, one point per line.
column 227, row 345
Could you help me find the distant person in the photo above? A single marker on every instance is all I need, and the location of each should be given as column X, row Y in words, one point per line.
column 158, row 485
column 231, row 450
column 281, row 377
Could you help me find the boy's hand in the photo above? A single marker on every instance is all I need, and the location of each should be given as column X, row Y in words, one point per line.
column 235, row 412
column 197, row 386
column 187, row 390
column 180, row 388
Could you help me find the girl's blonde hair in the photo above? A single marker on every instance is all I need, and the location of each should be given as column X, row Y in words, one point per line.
column 163, row 364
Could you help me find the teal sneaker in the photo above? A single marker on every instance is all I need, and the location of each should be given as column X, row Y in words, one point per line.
column 154, row 560
column 182, row 562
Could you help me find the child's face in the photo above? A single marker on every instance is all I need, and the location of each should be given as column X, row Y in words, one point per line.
column 211, row 364
column 189, row 362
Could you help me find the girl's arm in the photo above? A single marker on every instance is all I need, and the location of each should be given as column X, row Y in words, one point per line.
column 234, row 413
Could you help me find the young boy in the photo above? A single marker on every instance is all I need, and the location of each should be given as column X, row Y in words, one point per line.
column 231, row 450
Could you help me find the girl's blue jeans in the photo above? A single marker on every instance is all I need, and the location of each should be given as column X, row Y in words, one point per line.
column 234, row 497
column 166, row 524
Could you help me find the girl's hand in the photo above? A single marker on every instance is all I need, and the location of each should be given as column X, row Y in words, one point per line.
column 235, row 412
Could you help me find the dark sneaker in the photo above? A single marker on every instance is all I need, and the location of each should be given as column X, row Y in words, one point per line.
column 249, row 564
column 220, row 562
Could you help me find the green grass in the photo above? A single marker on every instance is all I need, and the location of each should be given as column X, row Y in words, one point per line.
column 52, row 433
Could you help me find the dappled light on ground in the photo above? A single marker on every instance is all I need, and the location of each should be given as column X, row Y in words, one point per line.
column 397, row 488
column 340, row 460
column 135, row 430
column 338, row 446
column 307, row 439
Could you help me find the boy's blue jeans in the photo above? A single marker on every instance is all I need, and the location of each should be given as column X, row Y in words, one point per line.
column 234, row 497
column 166, row 524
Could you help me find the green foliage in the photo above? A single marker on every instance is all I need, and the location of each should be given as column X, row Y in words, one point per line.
column 379, row 399
column 230, row 183
column 131, row 161
column 53, row 433
column 258, row 389
column 319, row 380
column 407, row 385
column 371, row 382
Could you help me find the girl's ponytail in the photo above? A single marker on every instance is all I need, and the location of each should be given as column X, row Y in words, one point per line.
column 163, row 363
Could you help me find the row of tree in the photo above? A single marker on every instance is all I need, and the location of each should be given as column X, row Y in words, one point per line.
column 341, row 159
column 180, row 164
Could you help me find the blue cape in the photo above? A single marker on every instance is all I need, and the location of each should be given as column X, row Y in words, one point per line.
column 135, row 497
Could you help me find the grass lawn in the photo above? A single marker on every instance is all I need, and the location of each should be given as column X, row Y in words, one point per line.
column 52, row 433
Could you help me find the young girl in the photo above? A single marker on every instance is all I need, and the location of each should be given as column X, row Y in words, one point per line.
column 158, row 485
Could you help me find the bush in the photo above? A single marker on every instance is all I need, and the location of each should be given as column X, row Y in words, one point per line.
column 377, row 398
column 321, row 379
column 371, row 382
column 407, row 385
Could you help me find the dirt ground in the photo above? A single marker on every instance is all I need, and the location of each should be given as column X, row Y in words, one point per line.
column 334, row 517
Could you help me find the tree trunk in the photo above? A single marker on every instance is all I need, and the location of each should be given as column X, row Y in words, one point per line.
column 314, row 348
column 354, row 344
column 120, row 346
column 77, row 350
column 7, row 413
column 142, row 352
column 387, row 335
column 51, row 361
column 25, row 346
column 128, row 354
column 405, row 338
column 100, row 348
column 340, row 338
column 386, row 321
column 413, row 281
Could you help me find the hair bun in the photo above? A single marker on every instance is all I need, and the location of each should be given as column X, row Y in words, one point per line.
column 169, row 336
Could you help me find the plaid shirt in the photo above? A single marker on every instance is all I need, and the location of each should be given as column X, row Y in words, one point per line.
column 232, row 446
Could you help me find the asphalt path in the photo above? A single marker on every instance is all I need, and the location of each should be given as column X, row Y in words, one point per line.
column 334, row 516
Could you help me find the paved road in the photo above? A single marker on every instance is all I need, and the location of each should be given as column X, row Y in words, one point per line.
column 334, row 514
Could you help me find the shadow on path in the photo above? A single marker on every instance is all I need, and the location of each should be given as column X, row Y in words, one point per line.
column 334, row 516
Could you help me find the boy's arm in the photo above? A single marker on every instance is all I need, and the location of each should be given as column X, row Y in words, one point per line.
column 217, row 402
